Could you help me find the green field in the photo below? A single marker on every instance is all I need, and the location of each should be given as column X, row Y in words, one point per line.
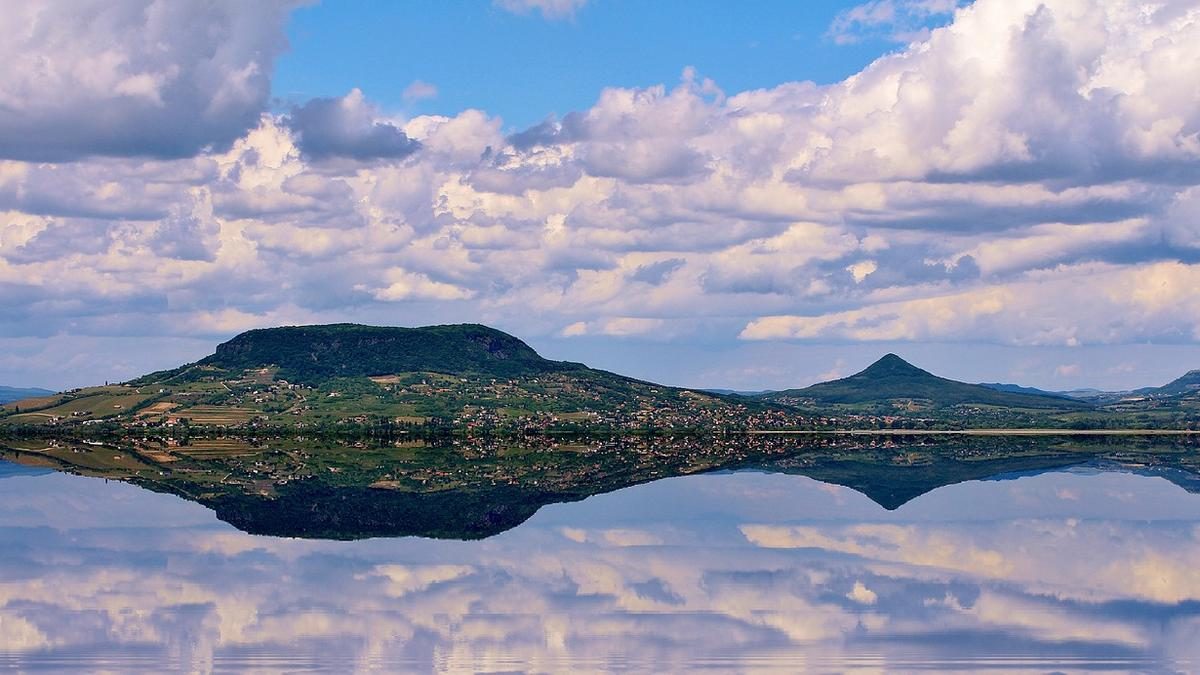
column 91, row 403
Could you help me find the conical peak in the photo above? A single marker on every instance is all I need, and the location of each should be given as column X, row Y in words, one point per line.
column 891, row 364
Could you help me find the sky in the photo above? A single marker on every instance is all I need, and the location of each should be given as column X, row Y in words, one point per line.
column 700, row 193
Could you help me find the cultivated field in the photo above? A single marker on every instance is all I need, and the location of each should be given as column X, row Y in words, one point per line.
column 218, row 448
column 217, row 415
column 105, row 402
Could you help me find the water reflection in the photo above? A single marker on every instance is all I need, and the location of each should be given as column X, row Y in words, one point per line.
column 1065, row 570
column 357, row 488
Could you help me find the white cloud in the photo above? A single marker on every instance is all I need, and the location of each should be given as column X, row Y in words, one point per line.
column 405, row 285
column 134, row 77
column 1124, row 303
column 549, row 9
column 1068, row 370
column 419, row 90
column 621, row 326
column 1021, row 176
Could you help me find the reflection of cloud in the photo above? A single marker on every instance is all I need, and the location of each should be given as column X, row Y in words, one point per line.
column 1152, row 565
column 17, row 634
column 630, row 538
column 403, row 580
column 613, row 537
column 1046, row 621
column 886, row 542
column 574, row 534
column 861, row 594
column 600, row 593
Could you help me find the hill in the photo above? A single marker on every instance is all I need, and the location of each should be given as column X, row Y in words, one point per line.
column 314, row 354
column 10, row 394
column 1019, row 389
column 1179, row 391
column 471, row 377
column 892, row 380
column 1189, row 383
column 466, row 376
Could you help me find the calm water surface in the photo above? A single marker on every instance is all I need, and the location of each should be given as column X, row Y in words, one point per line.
column 1066, row 571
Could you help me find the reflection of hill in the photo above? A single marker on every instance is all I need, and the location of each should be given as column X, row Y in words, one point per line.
column 893, row 486
column 324, row 512
column 9, row 469
column 476, row 489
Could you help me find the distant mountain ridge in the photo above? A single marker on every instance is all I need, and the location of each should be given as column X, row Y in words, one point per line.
column 892, row 378
column 739, row 392
column 1181, row 387
column 10, row 394
column 1020, row 389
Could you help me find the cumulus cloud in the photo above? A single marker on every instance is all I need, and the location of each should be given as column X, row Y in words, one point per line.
column 1023, row 175
column 134, row 77
column 622, row 326
column 347, row 127
column 1125, row 304
column 405, row 285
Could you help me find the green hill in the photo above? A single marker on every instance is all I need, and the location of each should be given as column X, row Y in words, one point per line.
column 466, row 376
column 1189, row 383
column 892, row 379
column 315, row 354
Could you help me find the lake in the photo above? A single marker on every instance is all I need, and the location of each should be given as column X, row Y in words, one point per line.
column 1070, row 569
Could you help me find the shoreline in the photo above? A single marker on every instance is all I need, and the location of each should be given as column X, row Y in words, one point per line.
column 982, row 432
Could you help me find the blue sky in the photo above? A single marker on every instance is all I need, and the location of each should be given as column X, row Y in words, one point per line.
column 755, row 195
column 523, row 67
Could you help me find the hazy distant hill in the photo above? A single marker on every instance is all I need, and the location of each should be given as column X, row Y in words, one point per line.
column 739, row 392
column 10, row 394
column 1186, row 386
column 1018, row 389
column 892, row 378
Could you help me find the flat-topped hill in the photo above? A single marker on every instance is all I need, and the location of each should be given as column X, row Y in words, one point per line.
column 312, row 354
column 892, row 378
